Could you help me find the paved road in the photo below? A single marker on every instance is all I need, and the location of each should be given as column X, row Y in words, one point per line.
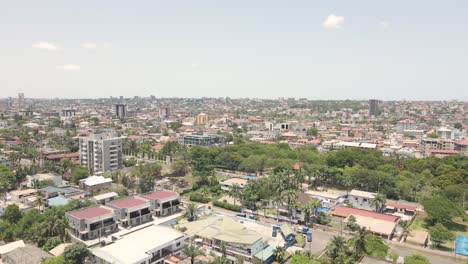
column 434, row 259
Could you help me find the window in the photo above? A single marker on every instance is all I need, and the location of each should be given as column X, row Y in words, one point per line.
column 178, row 244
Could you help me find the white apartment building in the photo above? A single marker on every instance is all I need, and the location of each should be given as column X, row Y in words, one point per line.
column 101, row 152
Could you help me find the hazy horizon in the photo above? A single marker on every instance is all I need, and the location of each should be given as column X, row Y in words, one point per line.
column 327, row 50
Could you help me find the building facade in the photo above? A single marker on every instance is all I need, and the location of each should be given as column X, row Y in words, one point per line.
column 101, row 152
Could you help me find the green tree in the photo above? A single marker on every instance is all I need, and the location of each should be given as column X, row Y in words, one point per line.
column 440, row 234
column 12, row 214
column 76, row 253
column 78, row 174
column 55, row 260
column 280, row 254
column 192, row 252
column 191, row 212
column 378, row 202
column 7, row 179
column 51, row 243
column 440, row 209
column 337, row 250
column 313, row 131
column 235, row 192
column 179, row 167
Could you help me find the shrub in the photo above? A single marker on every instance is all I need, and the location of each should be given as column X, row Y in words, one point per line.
column 228, row 206
column 196, row 197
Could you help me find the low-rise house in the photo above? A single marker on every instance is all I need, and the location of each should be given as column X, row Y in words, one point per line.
column 361, row 199
column 131, row 211
column 95, row 183
column 105, row 197
column 151, row 244
column 28, row 254
column 376, row 226
column 23, row 196
column 65, row 191
column 402, row 209
column 163, row 203
column 327, row 198
column 238, row 240
column 92, row 222
column 227, row 184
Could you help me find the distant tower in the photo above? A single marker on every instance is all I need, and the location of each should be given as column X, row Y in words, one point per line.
column 120, row 111
column 163, row 112
column 202, row 119
column 68, row 113
column 373, row 107
column 20, row 100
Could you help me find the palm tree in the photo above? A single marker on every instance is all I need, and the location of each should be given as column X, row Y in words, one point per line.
column 360, row 241
column 222, row 246
column 220, row 260
column 378, row 201
column 290, row 196
column 235, row 192
column 191, row 213
column 204, row 191
column 192, row 252
column 336, row 248
column 405, row 225
column 278, row 202
column 348, row 183
column 311, row 207
column 280, row 253
column 39, row 202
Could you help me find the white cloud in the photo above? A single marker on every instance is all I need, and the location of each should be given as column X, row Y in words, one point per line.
column 45, row 46
column 194, row 65
column 89, row 45
column 68, row 67
column 333, row 22
column 384, row 24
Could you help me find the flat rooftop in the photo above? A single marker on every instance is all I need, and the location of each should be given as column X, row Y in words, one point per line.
column 132, row 247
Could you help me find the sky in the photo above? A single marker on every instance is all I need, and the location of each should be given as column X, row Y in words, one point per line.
column 317, row 49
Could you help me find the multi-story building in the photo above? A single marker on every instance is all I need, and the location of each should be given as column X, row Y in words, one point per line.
column 200, row 139
column 131, row 211
column 429, row 144
column 120, row 111
column 101, row 152
column 201, row 119
column 163, row 203
column 92, row 222
column 462, row 146
column 361, row 199
column 406, row 124
column 373, row 107
column 163, row 112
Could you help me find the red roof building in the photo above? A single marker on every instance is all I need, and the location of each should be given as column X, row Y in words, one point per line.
column 90, row 212
column 345, row 211
column 127, row 203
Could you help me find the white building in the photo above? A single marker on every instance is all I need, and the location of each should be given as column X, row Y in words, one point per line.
column 406, row 124
column 361, row 199
column 148, row 245
column 101, row 152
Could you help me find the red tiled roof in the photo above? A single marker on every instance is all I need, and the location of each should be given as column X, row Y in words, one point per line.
column 463, row 142
column 90, row 212
column 353, row 211
column 64, row 156
column 159, row 195
column 157, row 147
column 134, row 137
column 127, row 202
column 402, row 206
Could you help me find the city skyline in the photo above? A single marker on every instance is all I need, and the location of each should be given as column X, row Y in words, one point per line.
column 264, row 49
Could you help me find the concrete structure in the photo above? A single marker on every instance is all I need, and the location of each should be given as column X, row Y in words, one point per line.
column 101, row 152
column 120, row 111
column 200, row 139
column 68, row 113
column 131, row 211
column 56, row 179
column 163, row 203
column 429, row 144
column 462, row 146
column 373, row 107
column 361, row 199
column 92, row 222
column 406, row 124
column 95, row 183
column 327, row 198
column 147, row 245
column 239, row 241
column 105, row 197
column 201, row 119
column 163, row 112
column 28, row 254
column 227, row 184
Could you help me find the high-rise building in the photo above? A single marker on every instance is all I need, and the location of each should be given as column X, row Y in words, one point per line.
column 20, row 100
column 163, row 112
column 101, row 152
column 201, row 119
column 373, row 107
column 120, row 111
column 68, row 113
